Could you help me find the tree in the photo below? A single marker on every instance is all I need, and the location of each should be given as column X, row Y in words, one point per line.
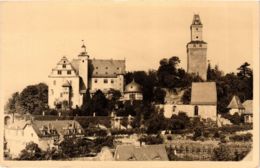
column 31, row 152
column 244, row 71
column 159, row 95
column 100, row 103
column 10, row 106
column 86, row 108
column 33, row 99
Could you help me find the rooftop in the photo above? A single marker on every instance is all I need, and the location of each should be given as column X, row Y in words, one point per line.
column 204, row 93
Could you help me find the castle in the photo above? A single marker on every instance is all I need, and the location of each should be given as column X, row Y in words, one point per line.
column 70, row 80
column 197, row 50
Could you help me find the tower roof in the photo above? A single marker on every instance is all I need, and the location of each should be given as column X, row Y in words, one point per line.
column 235, row 103
column 196, row 20
column 133, row 87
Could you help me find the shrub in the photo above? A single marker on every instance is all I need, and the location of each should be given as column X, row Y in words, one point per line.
column 150, row 140
column 243, row 137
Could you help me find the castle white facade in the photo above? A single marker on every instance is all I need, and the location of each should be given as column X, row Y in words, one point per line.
column 69, row 80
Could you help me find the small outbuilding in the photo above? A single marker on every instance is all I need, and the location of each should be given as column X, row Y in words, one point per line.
column 235, row 106
column 133, row 91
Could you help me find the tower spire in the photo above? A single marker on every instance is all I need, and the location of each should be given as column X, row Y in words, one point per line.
column 83, row 46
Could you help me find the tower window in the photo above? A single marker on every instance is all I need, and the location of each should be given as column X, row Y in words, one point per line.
column 59, row 72
column 64, row 62
column 69, row 72
column 105, row 81
column 63, row 65
column 82, row 60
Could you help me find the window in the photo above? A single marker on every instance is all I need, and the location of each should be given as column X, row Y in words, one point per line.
column 63, row 65
column 197, row 29
column 52, row 92
column 197, row 36
column 106, row 73
column 117, row 68
column 200, row 45
column 173, row 108
column 95, row 80
column 82, row 60
column 54, row 82
column 61, row 94
column 196, row 111
column 105, row 81
column 106, row 67
column 112, row 81
column 69, row 72
column 194, row 45
column 96, row 67
column 59, row 72
column 64, row 62
column 96, row 72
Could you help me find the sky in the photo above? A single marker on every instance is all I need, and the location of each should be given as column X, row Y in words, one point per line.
column 35, row 35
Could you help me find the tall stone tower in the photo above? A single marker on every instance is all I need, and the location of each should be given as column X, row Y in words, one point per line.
column 83, row 69
column 197, row 50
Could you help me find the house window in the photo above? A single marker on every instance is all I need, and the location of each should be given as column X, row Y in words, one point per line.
column 197, row 29
column 117, row 68
column 95, row 80
column 106, row 73
column 59, row 72
column 63, row 65
column 52, row 92
column 61, row 94
column 106, row 67
column 197, row 37
column 82, row 60
column 173, row 108
column 96, row 67
column 200, row 45
column 54, row 82
column 69, row 72
column 105, row 81
column 112, row 81
column 196, row 111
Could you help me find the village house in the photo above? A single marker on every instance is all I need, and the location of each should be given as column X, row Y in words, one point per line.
column 69, row 80
column 46, row 134
column 141, row 153
column 133, row 92
column 202, row 105
column 248, row 112
column 235, row 106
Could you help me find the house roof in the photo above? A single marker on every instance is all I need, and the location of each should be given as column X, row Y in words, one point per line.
column 102, row 67
column 60, row 126
column 204, row 93
column 142, row 153
column 133, row 87
column 196, row 20
column 248, row 105
column 235, row 103
column 107, row 68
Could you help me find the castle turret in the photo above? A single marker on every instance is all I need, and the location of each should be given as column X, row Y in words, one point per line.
column 197, row 50
column 83, row 68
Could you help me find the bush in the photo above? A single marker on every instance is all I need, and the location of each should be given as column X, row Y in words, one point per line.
column 150, row 140
column 243, row 137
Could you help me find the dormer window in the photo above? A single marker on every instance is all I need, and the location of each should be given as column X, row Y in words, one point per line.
column 63, row 65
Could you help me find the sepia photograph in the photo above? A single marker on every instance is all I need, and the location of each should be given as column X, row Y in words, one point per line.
column 165, row 81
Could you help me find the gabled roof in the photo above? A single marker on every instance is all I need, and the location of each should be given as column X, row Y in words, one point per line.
column 67, row 67
column 235, row 103
column 248, row 105
column 60, row 126
column 142, row 153
column 204, row 93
